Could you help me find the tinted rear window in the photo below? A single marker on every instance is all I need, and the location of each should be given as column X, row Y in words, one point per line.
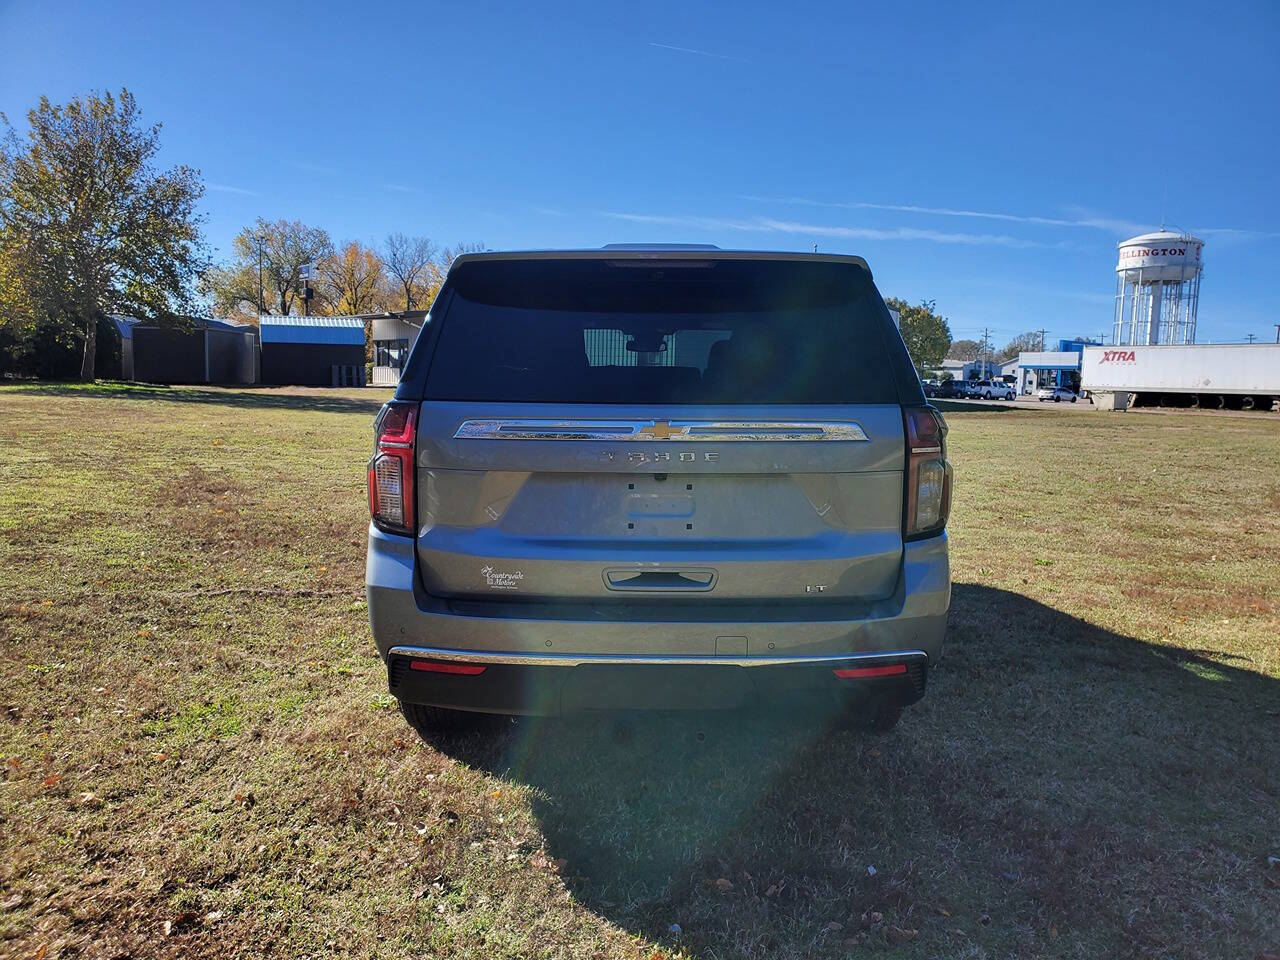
column 717, row 331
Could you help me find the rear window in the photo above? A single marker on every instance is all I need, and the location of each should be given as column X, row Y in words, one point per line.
column 714, row 331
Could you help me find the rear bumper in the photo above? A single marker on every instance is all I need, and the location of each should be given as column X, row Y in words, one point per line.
column 550, row 685
column 547, row 658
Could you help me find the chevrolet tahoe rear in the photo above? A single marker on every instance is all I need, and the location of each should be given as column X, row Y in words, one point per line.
column 666, row 478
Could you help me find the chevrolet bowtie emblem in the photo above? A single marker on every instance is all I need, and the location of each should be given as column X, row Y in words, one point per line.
column 661, row 430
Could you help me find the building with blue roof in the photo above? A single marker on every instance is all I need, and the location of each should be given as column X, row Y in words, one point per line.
column 312, row 351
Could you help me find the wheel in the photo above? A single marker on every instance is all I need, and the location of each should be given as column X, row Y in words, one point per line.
column 987, row 395
column 430, row 723
column 1073, row 399
column 1056, row 398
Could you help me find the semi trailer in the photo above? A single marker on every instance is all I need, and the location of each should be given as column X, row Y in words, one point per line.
column 1232, row 376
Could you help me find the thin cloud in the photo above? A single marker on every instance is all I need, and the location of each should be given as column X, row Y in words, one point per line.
column 1102, row 223
column 770, row 225
column 548, row 212
column 402, row 188
column 1080, row 218
column 699, row 53
column 1232, row 233
column 227, row 188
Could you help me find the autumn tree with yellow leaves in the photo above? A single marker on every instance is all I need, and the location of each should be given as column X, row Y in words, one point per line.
column 353, row 281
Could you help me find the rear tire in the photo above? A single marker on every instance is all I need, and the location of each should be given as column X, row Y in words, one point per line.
column 430, row 723
column 1073, row 399
column 987, row 395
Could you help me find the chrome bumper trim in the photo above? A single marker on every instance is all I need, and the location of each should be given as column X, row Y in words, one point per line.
column 672, row 430
column 581, row 659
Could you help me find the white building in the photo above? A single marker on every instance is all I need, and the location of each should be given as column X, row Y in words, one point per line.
column 393, row 335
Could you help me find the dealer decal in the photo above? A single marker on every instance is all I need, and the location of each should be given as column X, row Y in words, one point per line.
column 1118, row 356
column 501, row 579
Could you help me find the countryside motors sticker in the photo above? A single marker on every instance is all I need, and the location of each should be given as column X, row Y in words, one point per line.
column 501, row 579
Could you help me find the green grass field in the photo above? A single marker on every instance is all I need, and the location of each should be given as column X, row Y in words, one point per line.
column 200, row 759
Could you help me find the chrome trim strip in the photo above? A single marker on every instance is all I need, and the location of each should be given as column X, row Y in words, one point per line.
column 672, row 430
column 580, row 659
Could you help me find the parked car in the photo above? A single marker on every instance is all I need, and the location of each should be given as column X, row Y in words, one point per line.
column 948, row 389
column 929, row 388
column 1056, row 394
column 992, row 390
column 562, row 523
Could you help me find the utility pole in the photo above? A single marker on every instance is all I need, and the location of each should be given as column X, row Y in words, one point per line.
column 1277, row 326
column 1042, row 340
column 261, row 307
column 986, row 349
column 1250, row 337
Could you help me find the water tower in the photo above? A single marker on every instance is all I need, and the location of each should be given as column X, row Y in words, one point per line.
column 1158, row 289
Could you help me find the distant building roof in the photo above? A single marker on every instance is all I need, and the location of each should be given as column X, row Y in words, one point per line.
column 1049, row 360
column 235, row 325
column 125, row 324
column 342, row 330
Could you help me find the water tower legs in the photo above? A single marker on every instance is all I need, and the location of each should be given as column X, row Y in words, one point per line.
column 1153, row 317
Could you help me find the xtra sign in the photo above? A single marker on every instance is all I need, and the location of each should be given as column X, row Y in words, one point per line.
column 1118, row 356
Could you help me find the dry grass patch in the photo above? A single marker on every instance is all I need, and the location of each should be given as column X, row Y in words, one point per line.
column 200, row 758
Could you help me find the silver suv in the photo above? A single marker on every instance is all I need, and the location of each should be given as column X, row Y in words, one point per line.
column 660, row 477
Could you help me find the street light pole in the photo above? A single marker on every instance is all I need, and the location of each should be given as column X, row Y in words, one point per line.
column 261, row 306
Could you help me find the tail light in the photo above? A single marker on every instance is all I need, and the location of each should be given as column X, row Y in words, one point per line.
column 928, row 500
column 391, row 501
column 439, row 666
column 857, row 673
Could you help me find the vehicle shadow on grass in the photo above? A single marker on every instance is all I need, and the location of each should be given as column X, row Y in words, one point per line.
column 256, row 396
column 1059, row 784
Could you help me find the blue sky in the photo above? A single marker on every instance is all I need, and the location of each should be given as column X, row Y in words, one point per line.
column 988, row 156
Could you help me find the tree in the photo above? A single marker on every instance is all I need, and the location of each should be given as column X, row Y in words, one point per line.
column 353, row 281
column 966, row 350
column 411, row 265
column 1022, row 342
column 926, row 333
column 88, row 226
column 450, row 254
column 282, row 248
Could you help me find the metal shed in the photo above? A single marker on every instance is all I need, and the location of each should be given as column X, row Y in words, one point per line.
column 205, row 351
column 312, row 351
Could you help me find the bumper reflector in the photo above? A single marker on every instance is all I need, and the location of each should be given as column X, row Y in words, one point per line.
column 435, row 666
column 853, row 673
